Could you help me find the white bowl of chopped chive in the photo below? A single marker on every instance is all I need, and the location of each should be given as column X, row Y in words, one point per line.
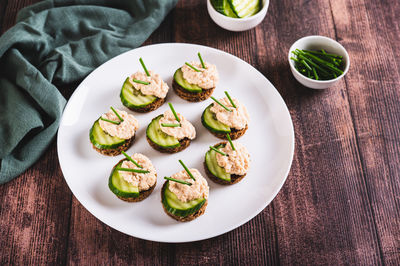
column 237, row 15
column 318, row 62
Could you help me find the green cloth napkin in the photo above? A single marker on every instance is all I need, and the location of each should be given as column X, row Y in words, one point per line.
column 59, row 42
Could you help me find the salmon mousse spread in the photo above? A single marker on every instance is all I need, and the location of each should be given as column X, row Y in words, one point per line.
column 143, row 181
column 205, row 78
column 238, row 118
column 157, row 86
column 185, row 193
column 185, row 130
column 237, row 161
column 124, row 130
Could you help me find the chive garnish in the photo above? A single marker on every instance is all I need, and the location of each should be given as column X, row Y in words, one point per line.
column 195, row 69
column 110, row 121
column 315, row 73
column 141, row 82
column 229, row 97
column 201, row 60
column 220, row 152
column 144, row 67
column 177, row 181
column 131, row 159
column 115, row 112
column 170, row 125
column 230, row 141
column 173, row 111
column 132, row 170
column 226, row 108
column 187, row 170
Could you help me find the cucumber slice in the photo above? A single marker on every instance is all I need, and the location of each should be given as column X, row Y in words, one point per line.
column 223, row 7
column 120, row 187
column 177, row 207
column 245, row 8
column 155, row 134
column 133, row 98
column 101, row 140
column 178, row 77
column 213, row 167
column 209, row 120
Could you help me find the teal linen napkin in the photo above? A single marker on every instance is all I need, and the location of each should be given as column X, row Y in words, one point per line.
column 59, row 42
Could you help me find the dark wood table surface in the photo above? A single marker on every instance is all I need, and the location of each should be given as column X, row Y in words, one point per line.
column 341, row 201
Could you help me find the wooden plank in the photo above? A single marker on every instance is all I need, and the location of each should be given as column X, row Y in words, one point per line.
column 373, row 92
column 34, row 211
column 12, row 9
column 3, row 6
column 323, row 213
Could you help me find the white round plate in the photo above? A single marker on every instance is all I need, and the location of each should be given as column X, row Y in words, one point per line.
column 269, row 139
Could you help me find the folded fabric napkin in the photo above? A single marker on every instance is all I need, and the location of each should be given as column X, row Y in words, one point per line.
column 59, row 42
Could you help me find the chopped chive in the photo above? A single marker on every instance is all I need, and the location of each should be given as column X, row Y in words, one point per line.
column 201, row 60
column 226, row 108
column 305, row 64
column 294, row 59
column 326, row 63
column 110, row 121
column 195, row 69
column 132, row 170
column 173, row 111
column 220, row 152
column 187, row 170
column 141, row 82
column 230, row 141
column 315, row 73
column 131, row 159
column 323, row 53
column 229, row 97
column 144, row 67
column 115, row 112
column 170, row 125
column 177, row 181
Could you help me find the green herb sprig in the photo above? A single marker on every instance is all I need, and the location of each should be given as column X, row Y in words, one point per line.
column 132, row 170
column 131, row 159
column 141, row 82
column 173, row 111
column 144, row 67
column 201, row 61
column 230, row 141
column 115, row 112
column 220, row 152
column 177, row 181
column 187, row 170
column 170, row 125
column 110, row 121
column 318, row 65
column 230, row 99
column 223, row 106
column 194, row 68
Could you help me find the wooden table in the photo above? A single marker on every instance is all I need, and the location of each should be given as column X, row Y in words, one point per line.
column 341, row 201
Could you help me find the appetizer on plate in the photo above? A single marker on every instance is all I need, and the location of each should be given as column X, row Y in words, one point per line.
column 184, row 195
column 143, row 91
column 133, row 179
column 113, row 132
column 170, row 132
column 195, row 81
column 226, row 115
column 227, row 163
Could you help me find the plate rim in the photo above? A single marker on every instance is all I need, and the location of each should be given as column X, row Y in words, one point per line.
column 228, row 229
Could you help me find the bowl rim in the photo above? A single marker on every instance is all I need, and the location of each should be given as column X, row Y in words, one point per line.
column 346, row 55
column 258, row 14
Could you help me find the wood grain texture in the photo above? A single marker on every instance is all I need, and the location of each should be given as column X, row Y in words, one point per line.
column 341, row 201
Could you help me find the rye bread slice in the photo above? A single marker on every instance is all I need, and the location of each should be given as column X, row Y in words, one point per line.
column 188, row 218
column 234, row 134
column 191, row 96
column 234, row 178
column 184, row 143
column 150, row 107
column 118, row 150
column 142, row 194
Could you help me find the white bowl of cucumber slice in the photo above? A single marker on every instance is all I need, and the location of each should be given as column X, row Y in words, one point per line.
column 237, row 15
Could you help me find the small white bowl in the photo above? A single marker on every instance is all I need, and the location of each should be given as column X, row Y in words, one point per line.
column 317, row 42
column 237, row 24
